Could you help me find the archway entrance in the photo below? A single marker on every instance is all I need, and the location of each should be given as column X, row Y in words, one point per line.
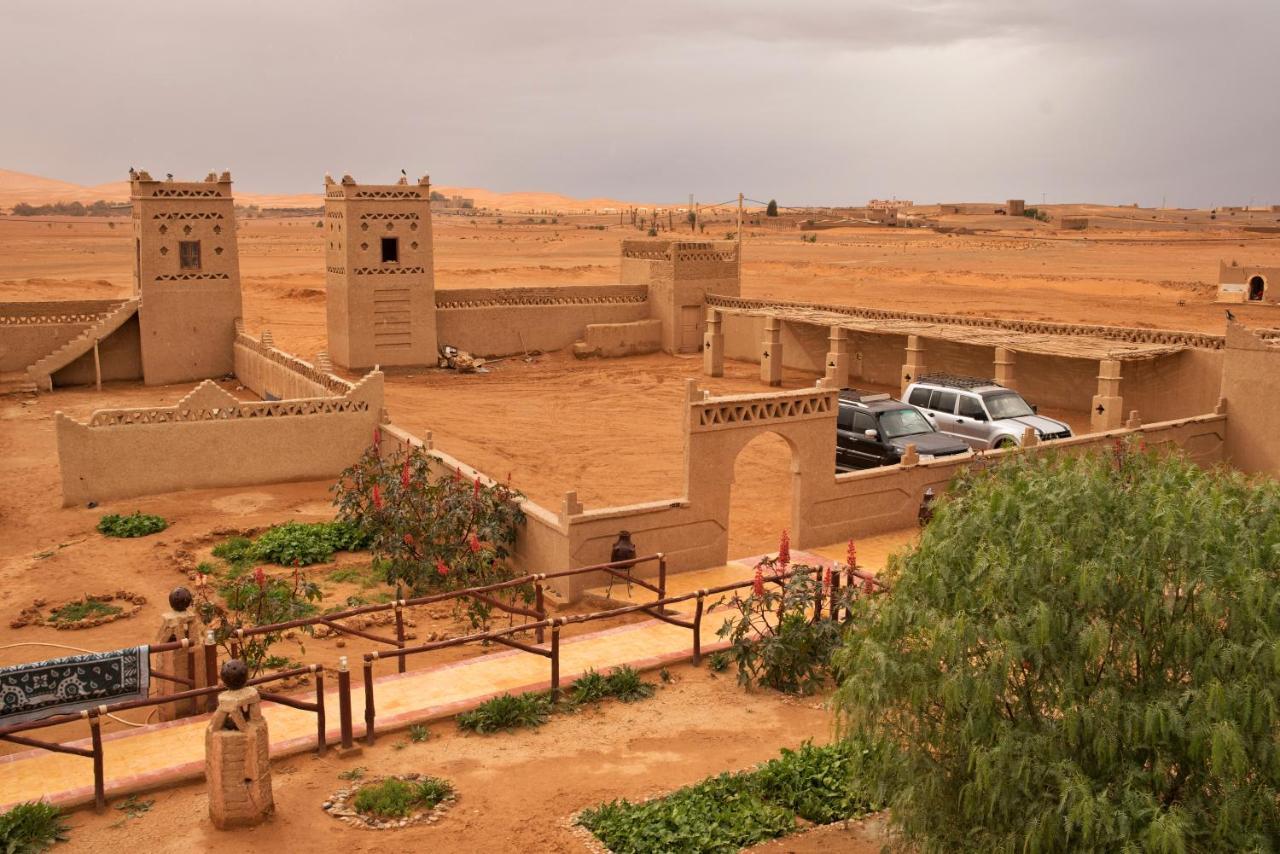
column 761, row 496
column 1256, row 287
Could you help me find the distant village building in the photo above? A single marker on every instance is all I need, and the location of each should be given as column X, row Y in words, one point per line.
column 890, row 204
column 1015, row 207
column 1247, row 284
column 1075, row 223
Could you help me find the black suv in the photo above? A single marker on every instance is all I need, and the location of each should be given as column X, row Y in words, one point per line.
column 874, row 430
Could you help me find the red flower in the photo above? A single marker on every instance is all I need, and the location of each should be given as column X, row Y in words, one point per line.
column 851, row 557
column 408, row 539
column 377, row 497
column 260, row 577
column 475, row 492
column 784, row 549
column 757, row 586
column 404, row 475
column 377, row 438
column 457, row 475
column 826, row 581
column 474, row 542
column 441, row 567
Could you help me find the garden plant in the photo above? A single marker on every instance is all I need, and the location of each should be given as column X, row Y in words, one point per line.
column 136, row 524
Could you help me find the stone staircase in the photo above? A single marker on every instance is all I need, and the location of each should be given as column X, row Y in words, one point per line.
column 41, row 373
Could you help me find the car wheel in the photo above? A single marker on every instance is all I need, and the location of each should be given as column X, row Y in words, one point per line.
column 1005, row 442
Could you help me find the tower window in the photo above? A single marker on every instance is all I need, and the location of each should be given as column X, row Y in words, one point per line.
column 390, row 250
column 189, row 254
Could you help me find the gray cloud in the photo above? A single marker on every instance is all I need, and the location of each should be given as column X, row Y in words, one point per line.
column 810, row 101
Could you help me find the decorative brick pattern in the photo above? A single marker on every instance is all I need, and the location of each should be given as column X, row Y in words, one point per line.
column 742, row 410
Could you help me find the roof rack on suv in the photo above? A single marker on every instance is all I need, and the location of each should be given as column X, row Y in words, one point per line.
column 852, row 395
column 954, row 381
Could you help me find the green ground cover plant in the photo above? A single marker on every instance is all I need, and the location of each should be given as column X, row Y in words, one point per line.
column 31, row 827
column 136, row 524
column 397, row 798
column 733, row 811
column 83, row 609
column 293, row 544
column 507, row 712
column 1080, row 654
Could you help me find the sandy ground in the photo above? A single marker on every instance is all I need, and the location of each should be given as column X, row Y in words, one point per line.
column 609, row 430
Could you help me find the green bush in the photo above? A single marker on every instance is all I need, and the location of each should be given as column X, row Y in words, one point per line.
column 590, row 687
column 1080, row 654
column 507, row 712
column 733, row 811
column 31, row 827
column 396, row 798
column 236, row 551
column 136, row 524
column 625, row 684
column 83, row 609
column 304, row 544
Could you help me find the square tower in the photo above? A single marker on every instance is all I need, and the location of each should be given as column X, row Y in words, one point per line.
column 187, row 272
column 380, row 286
column 680, row 274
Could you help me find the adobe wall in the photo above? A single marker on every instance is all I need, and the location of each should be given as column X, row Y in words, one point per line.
column 210, row 439
column 620, row 339
column 29, row 331
column 501, row 321
column 273, row 374
column 119, row 354
column 873, row 358
column 1251, row 387
column 1173, row 386
column 679, row 274
column 1055, row 382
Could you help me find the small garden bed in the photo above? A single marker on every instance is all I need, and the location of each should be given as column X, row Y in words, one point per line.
column 82, row 613
column 392, row 802
column 136, row 524
column 804, row 787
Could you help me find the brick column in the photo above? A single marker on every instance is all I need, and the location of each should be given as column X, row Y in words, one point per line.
column 1107, row 408
column 771, row 353
column 713, row 346
column 179, row 623
column 914, row 366
column 838, row 357
column 237, row 762
column 1004, row 368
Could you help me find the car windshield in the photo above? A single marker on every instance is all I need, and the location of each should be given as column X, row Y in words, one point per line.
column 1007, row 404
column 897, row 423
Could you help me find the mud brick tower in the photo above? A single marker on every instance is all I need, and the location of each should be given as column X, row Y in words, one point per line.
column 187, row 272
column 380, row 284
column 679, row 275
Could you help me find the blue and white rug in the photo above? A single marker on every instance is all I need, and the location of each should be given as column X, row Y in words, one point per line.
column 58, row 686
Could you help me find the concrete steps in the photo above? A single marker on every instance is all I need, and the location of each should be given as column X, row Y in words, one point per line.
column 41, row 373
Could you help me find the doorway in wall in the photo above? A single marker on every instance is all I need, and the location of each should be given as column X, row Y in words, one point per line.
column 690, row 340
column 761, row 496
column 1256, row 288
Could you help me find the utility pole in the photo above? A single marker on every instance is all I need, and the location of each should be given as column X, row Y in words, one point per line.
column 693, row 223
column 739, row 239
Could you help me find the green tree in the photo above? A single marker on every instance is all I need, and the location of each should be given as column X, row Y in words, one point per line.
column 1081, row 654
column 772, row 209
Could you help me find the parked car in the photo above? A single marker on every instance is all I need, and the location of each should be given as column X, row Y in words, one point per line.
column 982, row 413
column 874, row 430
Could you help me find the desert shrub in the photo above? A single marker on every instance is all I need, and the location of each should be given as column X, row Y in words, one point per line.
column 31, row 827
column 235, row 551
column 719, row 661
column 432, row 531
column 734, row 811
column 507, row 712
column 83, row 609
column 771, row 209
column 775, row 641
column 397, row 798
column 1036, row 214
column 304, row 544
column 1079, row 654
column 625, row 684
column 590, row 687
column 136, row 524
column 239, row 600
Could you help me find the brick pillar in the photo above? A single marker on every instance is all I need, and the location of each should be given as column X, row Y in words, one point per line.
column 179, row 623
column 713, row 345
column 914, row 366
column 838, row 357
column 1107, row 408
column 1004, row 368
column 771, row 353
column 237, row 764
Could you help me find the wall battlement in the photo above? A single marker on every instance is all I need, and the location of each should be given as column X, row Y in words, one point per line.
column 531, row 296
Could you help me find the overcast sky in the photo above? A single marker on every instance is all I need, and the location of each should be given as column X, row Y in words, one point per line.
column 808, row 101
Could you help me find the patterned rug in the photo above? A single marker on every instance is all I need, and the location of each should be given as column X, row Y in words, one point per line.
column 41, row 689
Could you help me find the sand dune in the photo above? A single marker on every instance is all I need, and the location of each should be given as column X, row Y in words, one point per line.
column 16, row 187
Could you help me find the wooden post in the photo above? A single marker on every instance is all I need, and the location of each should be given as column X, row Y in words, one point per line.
column 399, row 629
column 540, row 605
column 322, row 741
column 210, row 668
column 662, row 575
column 697, row 630
column 344, row 704
column 835, row 598
column 97, row 365
column 368, row 701
column 555, row 661
column 99, row 775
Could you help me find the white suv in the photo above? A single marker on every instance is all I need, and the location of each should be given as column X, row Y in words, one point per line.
column 983, row 414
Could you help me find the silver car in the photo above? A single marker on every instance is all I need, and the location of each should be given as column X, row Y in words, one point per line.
column 983, row 414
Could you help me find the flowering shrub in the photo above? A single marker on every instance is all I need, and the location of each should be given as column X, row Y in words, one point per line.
column 431, row 531
column 254, row 599
column 777, row 641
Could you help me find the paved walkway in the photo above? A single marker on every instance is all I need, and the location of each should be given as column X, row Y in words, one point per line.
column 144, row 758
